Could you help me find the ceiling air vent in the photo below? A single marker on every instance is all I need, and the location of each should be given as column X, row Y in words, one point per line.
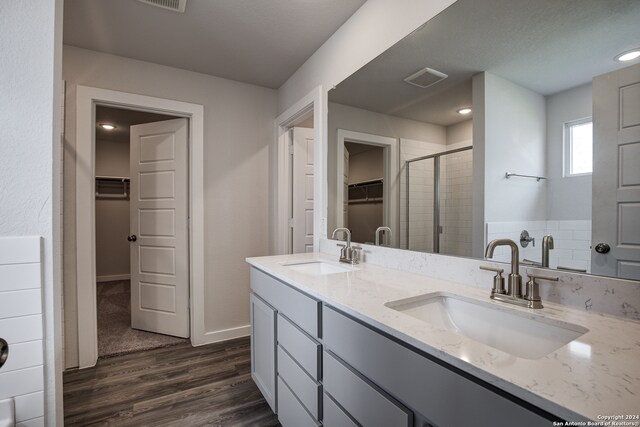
column 425, row 78
column 174, row 5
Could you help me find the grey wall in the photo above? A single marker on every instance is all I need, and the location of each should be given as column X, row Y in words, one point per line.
column 238, row 131
column 366, row 165
column 460, row 135
column 112, row 215
column 567, row 198
column 515, row 141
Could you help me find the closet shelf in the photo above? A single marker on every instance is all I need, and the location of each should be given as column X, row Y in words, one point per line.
column 372, row 200
column 366, row 183
column 112, row 187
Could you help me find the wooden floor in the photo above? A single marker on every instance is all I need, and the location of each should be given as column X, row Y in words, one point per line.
column 179, row 385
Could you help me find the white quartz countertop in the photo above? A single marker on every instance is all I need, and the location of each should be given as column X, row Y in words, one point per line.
column 595, row 376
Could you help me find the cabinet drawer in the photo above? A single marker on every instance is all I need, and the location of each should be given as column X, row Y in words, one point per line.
column 301, row 309
column 333, row 416
column 301, row 384
column 304, row 349
column 291, row 413
column 442, row 395
column 365, row 403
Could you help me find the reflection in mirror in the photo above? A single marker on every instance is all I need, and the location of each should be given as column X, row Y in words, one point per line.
column 495, row 118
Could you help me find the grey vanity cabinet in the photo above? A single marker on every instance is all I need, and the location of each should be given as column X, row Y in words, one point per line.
column 435, row 392
column 263, row 341
column 289, row 347
column 318, row 366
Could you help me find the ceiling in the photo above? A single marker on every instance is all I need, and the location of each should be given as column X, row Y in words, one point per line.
column 545, row 45
column 261, row 42
column 122, row 119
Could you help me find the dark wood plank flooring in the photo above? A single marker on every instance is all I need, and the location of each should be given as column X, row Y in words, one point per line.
column 180, row 385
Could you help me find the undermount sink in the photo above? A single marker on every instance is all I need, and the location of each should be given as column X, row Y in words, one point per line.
column 318, row 267
column 520, row 334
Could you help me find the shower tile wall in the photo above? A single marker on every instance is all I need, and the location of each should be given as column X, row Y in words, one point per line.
column 421, row 197
column 572, row 241
column 456, row 174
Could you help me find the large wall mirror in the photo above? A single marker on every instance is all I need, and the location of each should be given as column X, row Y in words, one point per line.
column 497, row 119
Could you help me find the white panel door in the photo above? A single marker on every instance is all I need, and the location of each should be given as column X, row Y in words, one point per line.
column 616, row 173
column 158, row 209
column 302, row 190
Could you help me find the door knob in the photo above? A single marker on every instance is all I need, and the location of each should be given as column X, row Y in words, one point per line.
column 4, row 352
column 132, row 238
column 602, row 248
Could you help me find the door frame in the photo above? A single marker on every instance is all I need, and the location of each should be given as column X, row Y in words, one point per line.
column 390, row 191
column 87, row 98
column 312, row 103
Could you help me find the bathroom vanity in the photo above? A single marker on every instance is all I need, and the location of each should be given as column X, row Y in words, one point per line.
column 341, row 345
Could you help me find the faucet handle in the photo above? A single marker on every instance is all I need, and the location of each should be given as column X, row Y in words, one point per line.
column 498, row 280
column 532, row 289
column 355, row 255
column 533, row 277
column 494, row 269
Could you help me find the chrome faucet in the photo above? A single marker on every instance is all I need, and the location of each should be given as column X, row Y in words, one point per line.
column 547, row 244
column 513, row 295
column 348, row 253
column 380, row 229
column 514, row 281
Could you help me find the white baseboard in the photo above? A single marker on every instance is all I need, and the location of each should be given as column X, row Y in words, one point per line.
column 113, row 277
column 223, row 335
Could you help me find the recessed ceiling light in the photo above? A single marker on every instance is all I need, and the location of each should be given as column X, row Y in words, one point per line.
column 107, row 126
column 464, row 111
column 629, row 55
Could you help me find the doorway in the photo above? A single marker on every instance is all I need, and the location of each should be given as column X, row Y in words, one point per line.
column 119, row 330
column 363, row 175
column 88, row 99
column 385, row 186
column 301, row 155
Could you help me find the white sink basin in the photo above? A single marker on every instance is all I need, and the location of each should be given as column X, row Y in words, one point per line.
column 318, row 267
column 520, row 334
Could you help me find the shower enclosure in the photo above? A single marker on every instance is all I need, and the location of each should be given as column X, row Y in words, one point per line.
column 438, row 196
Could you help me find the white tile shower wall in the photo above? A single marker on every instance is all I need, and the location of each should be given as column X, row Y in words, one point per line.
column 421, row 194
column 456, row 175
column 572, row 241
column 617, row 297
column 21, row 378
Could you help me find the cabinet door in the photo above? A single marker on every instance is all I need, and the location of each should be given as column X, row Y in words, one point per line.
column 263, row 349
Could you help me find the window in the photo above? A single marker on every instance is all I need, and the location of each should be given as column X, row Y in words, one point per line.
column 578, row 147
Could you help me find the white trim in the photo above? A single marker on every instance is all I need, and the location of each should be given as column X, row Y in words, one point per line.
column 228, row 334
column 87, row 98
column 391, row 214
column 314, row 102
column 113, row 278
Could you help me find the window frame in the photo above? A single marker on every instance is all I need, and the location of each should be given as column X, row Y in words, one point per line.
column 567, row 147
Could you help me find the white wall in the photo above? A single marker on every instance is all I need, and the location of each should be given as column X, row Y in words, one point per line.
column 238, row 131
column 112, row 215
column 567, row 198
column 30, row 42
column 514, row 141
